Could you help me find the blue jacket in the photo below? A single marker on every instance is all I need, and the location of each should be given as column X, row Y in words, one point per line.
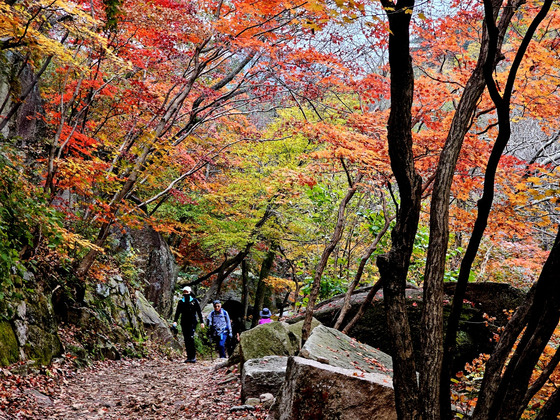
column 219, row 322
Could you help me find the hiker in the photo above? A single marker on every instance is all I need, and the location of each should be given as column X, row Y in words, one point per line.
column 220, row 327
column 265, row 316
column 188, row 308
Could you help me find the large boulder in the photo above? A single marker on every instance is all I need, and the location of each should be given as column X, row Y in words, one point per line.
column 327, row 345
column 155, row 266
column 474, row 336
column 297, row 327
column 261, row 376
column 154, row 325
column 314, row 390
column 273, row 339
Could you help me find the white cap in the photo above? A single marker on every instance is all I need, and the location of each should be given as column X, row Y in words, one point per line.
column 187, row 289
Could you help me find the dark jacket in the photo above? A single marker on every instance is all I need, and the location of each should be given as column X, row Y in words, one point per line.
column 188, row 308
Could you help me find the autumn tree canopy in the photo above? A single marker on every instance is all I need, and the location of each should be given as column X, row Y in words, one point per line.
column 319, row 146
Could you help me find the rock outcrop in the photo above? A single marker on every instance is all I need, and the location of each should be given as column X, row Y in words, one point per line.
column 314, row 390
column 30, row 332
column 155, row 326
column 155, row 265
column 262, row 376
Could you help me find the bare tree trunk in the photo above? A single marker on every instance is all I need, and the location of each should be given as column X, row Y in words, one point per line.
column 544, row 312
column 536, row 319
column 393, row 266
column 337, row 234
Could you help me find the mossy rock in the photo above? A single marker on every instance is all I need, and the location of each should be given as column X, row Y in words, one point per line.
column 273, row 339
column 9, row 350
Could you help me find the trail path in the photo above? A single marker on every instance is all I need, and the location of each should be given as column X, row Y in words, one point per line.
column 155, row 388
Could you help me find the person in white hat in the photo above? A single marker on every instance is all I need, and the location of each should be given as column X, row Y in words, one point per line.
column 188, row 308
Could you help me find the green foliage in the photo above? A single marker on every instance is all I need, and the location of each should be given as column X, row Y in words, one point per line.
column 112, row 12
column 203, row 342
column 25, row 216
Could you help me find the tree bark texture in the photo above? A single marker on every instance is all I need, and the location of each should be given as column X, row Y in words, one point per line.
column 393, row 266
column 432, row 315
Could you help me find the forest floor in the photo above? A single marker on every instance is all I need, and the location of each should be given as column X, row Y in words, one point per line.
column 156, row 387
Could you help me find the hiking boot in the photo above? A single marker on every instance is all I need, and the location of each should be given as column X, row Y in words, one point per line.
column 190, row 361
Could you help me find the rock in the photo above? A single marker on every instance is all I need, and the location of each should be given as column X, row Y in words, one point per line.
column 115, row 304
column 253, row 401
column 474, row 335
column 31, row 331
column 156, row 267
column 316, row 390
column 296, row 328
column 9, row 349
column 273, row 339
column 329, row 345
column 155, row 326
column 109, row 324
column 41, row 398
column 261, row 376
column 267, row 400
column 245, row 407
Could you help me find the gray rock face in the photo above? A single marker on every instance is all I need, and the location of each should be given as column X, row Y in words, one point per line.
column 273, row 339
column 296, row 328
column 115, row 302
column 313, row 390
column 158, row 270
column 262, row 376
column 25, row 126
column 327, row 345
column 154, row 325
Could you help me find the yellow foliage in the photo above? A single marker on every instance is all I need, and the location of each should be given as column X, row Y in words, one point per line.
column 279, row 284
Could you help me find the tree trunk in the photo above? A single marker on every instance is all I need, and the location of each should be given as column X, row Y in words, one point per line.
column 537, row 319
column 337, row 234
column 393, row 266
column 245, row 288
column 439, row 216
column 261, row 285
column 542, row 317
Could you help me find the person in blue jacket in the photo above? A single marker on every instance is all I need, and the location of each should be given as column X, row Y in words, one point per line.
column 220, row 327
column 188, row 308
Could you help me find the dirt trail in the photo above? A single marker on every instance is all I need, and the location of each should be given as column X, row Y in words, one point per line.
column 155, row 388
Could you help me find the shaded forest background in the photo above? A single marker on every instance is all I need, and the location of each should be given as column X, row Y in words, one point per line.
column 290, row 151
